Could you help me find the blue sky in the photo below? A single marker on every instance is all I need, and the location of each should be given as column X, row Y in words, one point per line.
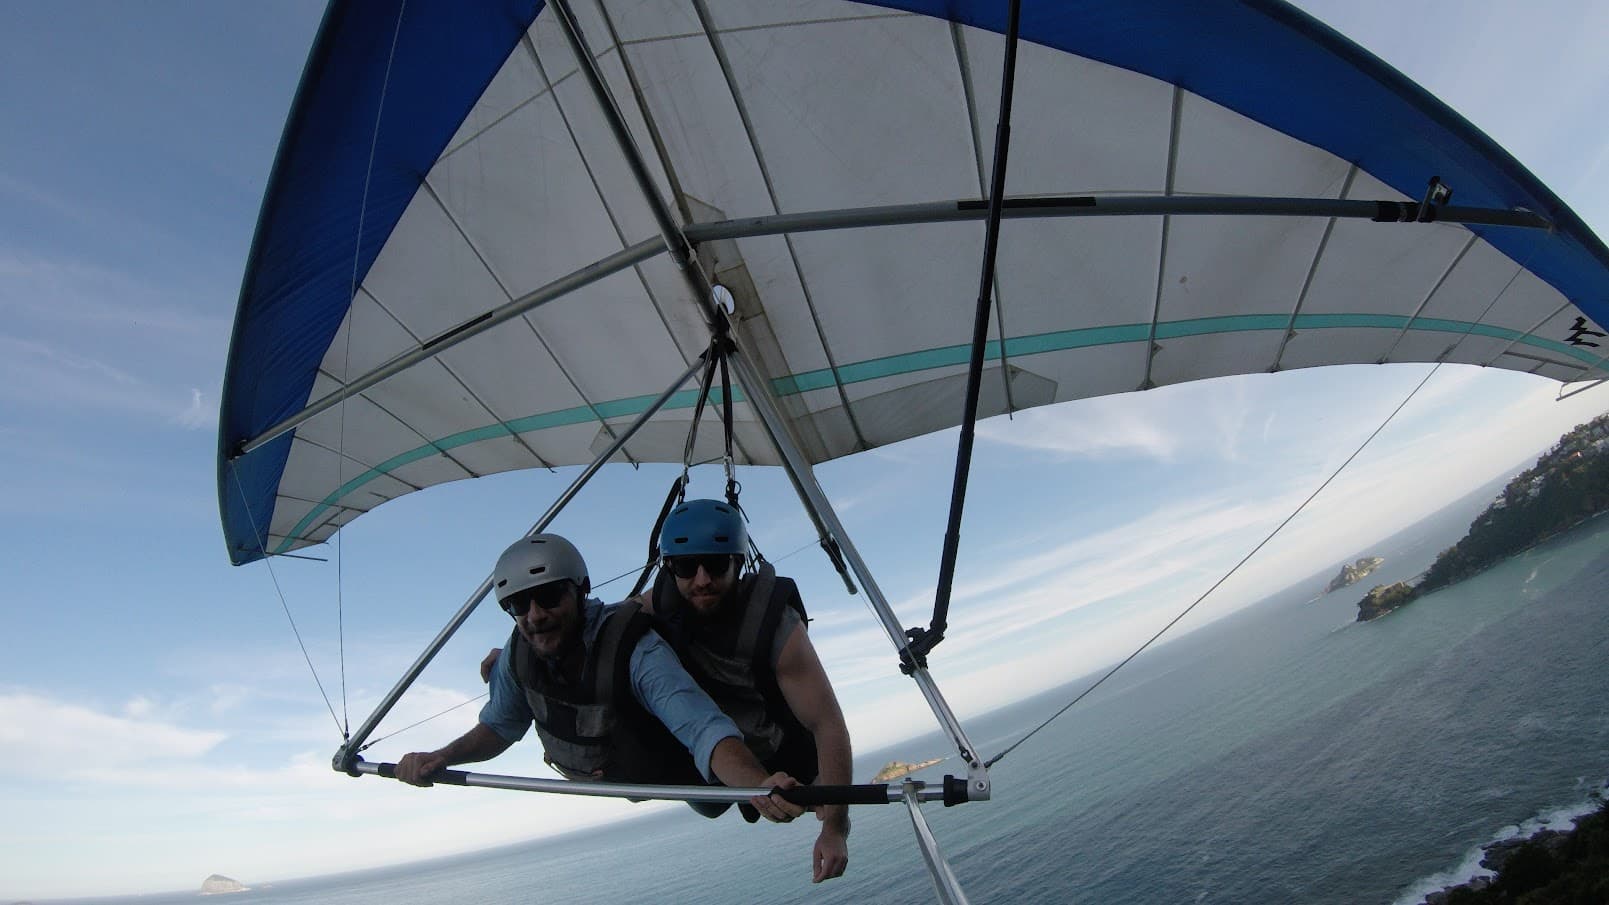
column 155, row 711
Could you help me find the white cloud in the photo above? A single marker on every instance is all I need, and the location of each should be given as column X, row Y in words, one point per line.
column 40, row 373
column 196, row 416
column 226, row 698
column 87, row 299
column 1201, row 419
column 1104, row 427
column 44, row 737
column 85, row 339
column 294, row 819
column 138, row 707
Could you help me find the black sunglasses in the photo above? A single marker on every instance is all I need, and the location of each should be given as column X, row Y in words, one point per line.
column 546, row 597
column 714, row 564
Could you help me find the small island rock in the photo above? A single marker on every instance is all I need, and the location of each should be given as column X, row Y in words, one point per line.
column 1382, row 599
column 895, row 769
column 1352, row 573
column 218, row 883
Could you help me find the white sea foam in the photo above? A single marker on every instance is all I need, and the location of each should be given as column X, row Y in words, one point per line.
column 1469, row 866
column 1468, row 869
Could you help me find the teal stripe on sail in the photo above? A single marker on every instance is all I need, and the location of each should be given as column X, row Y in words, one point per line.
column 615, row 408
column 942, row 357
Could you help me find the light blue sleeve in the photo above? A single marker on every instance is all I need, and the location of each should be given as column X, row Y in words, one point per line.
column 506, row 713
column 665, row 689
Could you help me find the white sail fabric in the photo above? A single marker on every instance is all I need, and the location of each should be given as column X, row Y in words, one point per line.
column 781, row 108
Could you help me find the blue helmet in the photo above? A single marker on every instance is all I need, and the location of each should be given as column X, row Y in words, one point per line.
column 703, row 526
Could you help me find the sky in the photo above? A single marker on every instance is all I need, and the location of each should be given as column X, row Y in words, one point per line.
column 157, row 716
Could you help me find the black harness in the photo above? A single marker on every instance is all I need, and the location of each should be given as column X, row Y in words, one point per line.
column 596, row 723
column 730, row 658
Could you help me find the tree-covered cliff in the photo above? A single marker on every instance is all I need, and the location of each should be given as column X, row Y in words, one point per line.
column 1568, row 484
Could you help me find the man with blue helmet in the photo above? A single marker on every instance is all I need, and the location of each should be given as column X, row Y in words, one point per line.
column 609, row 699
column 743, row 638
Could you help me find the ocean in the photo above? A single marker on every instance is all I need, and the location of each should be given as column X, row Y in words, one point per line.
column 1286, row 753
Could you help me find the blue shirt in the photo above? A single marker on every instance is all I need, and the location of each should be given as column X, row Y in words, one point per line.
column 658, row 681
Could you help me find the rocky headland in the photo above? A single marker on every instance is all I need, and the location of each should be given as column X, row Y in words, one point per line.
column 1383, row 598
column 1551, row 866
column 1568, row 485
column 1352, row 573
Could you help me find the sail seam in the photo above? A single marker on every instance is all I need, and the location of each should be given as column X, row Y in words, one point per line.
column 1312, row 273
column 722, row 60
column 678, row 195
column 1440, row 281
column 441, row 359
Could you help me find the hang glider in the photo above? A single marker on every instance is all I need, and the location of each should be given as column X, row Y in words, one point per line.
column 495, row 232
column 452, row 235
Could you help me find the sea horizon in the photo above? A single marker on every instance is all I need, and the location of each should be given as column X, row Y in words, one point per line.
column 1225, row 733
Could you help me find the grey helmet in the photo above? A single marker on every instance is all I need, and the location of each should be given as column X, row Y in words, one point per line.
column 535, row 561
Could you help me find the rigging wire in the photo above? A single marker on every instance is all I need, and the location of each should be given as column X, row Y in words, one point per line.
column 375, row 741
column 1523, row 266
column 269, row 562
column 346, row 370
column 340, row 561
column 1260, row 544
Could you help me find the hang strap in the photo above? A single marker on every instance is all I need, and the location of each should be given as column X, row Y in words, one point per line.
column 678, row 488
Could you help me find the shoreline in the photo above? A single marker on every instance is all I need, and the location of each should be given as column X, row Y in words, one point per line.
column 1470, row 873
column 1413, row 589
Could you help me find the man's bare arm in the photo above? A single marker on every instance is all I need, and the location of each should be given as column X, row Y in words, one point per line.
column 809, row 694
column 735, row 765
column 478, row 744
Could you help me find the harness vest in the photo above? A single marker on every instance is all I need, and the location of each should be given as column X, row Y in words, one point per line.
column 729, row 656
column 596, row 723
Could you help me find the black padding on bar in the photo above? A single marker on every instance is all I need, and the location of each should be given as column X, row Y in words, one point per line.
column 1395, row 211
column 1009, row 203
column 446, row 777
column 472, row 322
column 814, row 795
column 805, row 795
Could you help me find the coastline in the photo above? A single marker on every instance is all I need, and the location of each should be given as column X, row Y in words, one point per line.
column 1566, row 488
column 1470, row 873
column 1383, row 600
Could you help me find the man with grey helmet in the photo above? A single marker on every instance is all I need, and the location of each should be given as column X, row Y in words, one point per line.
column 608, row 697
column 743, row 639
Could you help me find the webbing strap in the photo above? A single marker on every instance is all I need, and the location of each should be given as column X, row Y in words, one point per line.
column 677, row 488
column 698, row 409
